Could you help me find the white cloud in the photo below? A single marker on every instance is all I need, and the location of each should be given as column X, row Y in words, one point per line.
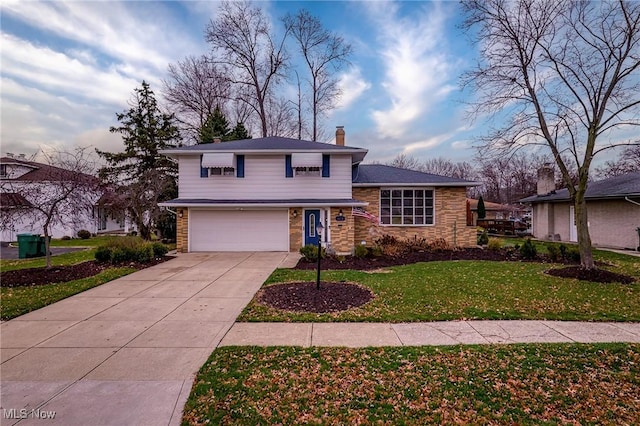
column 418, row 71
column 352, row 85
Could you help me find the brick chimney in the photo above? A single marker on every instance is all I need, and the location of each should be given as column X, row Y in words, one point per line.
column 546, row 180
column 340, row 135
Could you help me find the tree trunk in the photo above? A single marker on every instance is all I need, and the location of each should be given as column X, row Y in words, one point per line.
column 47, row 252
column 584, row 239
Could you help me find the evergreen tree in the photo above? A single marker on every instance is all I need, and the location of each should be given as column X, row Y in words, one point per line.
column 482, row 211
column 239, row 132
column 140, row 173
column 216, row 126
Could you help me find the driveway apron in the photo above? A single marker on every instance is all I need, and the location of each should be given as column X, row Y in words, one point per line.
column 126, row 352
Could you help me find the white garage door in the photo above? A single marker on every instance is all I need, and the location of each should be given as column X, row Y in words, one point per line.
column 239, row 230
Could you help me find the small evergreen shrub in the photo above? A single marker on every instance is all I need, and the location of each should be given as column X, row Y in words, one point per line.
column 84, row 234
column 159, row 249
column 494, row 244
column 103, row 254
column 573, row 254
column 360, row 251
column 554, row 252
column 376, row 251
column 310, row 252
column 528, row 250
column 123, row 255
column 65, row 238
column 144, row 254
column 563, row 251
column 483, row 239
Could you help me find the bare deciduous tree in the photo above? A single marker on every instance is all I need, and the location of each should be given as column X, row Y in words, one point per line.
column 192, row 90
column 62, row 192
column 627, row 162
column 566, row 73
column 324, row 53
column 242, row 36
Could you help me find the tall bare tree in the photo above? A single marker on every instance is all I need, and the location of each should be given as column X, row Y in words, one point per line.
column 324, row 54
column 628, row 161
column 241, row 38
column 566, row 73
column 61, row 192
column 193, row 89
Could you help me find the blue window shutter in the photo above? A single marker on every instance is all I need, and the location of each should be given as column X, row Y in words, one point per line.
column 204, row 172
column 240, row 166
column 288, row 170
column 326, row 165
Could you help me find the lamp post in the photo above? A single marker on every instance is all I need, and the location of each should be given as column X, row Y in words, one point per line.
column 319, row 229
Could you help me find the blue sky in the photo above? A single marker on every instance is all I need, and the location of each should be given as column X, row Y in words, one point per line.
column 67, row 68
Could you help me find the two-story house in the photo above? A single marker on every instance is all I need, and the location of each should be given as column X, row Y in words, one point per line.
column 25, row 185
column 271, row 194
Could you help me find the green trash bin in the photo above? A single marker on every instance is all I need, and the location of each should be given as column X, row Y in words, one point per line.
column 27, row 245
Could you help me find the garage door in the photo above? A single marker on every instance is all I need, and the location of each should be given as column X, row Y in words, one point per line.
column 239, row 230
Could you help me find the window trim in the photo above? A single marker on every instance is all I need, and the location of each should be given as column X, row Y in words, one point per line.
column 404, row 188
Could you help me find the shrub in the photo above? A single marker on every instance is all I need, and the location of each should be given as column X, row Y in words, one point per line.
column 554, row 252
column 483, row 239
column 144, row 254
column 376, row 251
column 84, row 234
column 310, row 252
column 391, row 246
column 563, row 251
column 528, row 250
column 65, row 238
column 418, row 244
column 494, row 244
column 123, row 255
column 103, row 254
column 573, row 254
column 360, row 251
column 159, row 249
column 439, row 244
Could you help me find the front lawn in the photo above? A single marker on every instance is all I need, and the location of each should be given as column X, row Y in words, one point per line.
column 454, row 290
column 511, row 384
column 18, row 301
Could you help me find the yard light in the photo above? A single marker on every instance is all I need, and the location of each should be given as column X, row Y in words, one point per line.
column 319, row 229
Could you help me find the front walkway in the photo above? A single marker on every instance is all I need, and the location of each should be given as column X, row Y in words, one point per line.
column 430, row 333
column 126, row 352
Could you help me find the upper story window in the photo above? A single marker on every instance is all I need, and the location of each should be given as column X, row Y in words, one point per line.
column 222, row 164
column 307, row 164
column 408, row 207
column 307, row 171
column 3, row 170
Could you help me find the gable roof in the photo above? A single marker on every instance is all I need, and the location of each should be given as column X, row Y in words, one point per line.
column 382, row 175
column 627, row 185
column 13, row 199
column 489, row 206
column 271, row 144
column 46, row 173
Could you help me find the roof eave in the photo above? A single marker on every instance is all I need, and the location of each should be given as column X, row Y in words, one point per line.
column 265, row 205
column 412, row 184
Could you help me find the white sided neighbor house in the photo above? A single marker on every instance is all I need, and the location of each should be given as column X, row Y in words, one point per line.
column 273, row 193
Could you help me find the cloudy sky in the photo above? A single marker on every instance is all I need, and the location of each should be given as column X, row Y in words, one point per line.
column 68, row 67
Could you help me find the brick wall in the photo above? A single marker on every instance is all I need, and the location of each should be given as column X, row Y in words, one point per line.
column 450, row 219
column 342, row 233
column 182, row 230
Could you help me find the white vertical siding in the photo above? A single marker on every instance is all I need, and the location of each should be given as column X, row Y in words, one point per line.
column 264, row 179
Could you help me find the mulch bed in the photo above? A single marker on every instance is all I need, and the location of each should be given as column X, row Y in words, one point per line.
column 369, row 263
column 305, row 297
column 59, row 274
column 596, row 275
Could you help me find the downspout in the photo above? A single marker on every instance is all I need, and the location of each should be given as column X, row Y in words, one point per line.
column 631, row 201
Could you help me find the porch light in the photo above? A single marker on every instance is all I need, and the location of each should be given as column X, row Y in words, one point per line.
column 180, row 213
column 295, row 213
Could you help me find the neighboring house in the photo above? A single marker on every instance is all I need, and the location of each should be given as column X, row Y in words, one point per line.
column 22, row 180
column 613, row 207
column 496, row 211
column 270, row 194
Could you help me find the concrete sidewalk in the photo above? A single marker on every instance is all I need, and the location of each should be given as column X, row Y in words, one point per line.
column 430, row 333
column 126, row 352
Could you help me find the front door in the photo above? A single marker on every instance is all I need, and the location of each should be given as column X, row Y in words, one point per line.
column 311, row 221
column 573, row 230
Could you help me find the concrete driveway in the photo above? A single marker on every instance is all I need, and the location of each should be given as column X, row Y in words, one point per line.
column 126, row 352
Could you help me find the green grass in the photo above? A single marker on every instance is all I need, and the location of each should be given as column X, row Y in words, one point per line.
column 509, row 384
column 17, row 301
column 437, row 291
column 77, row 242
column 58, row 260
